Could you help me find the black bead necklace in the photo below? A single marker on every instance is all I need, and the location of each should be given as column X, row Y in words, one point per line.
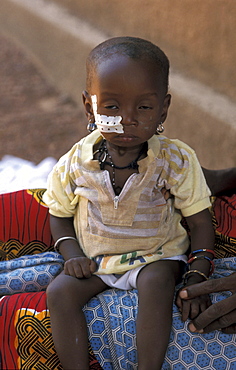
column 103, row 155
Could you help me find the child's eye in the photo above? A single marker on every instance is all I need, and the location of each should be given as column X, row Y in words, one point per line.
column 145, row 107
column 111, row 107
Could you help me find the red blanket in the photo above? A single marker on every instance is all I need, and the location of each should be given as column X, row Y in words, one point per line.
column 25, row 334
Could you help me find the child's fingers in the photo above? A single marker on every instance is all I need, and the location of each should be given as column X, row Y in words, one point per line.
column 185, row 311
column 93, row 266
column 205, row 303
column 199, row 305
column 73, row 269
column 86, row 267
column 178, row 302
column 78, row 267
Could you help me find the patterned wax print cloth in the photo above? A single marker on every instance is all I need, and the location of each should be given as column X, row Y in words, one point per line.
column 24, row 224
column 27, row 265
column 224, row 220
column 31, row 273
column 25, row 332
column 25, row 335
column 26, row 340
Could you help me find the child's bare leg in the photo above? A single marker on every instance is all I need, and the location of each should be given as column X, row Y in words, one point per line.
column 66, row 297
column 156, row 284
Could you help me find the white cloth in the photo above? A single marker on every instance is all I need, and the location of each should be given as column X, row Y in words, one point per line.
column 128, row 280
column 17, row 174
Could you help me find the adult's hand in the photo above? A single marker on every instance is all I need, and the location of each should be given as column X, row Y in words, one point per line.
column 220, row 315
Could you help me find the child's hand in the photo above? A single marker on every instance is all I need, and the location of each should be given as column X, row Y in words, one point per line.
column 191, row 308
column 80, row 267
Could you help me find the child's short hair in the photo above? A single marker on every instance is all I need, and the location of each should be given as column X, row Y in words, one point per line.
column 133, row 47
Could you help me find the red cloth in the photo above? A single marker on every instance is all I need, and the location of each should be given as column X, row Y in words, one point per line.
column 225, row 213
column 24, row 224
column 224, row 220
column 25, row 331
column 25, row 334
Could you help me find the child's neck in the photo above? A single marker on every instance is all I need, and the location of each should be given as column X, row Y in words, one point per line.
column 121, row 151
column 117, row 158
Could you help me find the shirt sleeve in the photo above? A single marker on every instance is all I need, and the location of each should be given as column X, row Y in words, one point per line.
column 60, row 194
column 191, row 193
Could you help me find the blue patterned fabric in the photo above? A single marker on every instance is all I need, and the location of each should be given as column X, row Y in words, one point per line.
column 111, row 319
column 31, row 273
column 111, row 326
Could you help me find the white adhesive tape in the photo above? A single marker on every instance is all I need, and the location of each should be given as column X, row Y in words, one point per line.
column 106, row 123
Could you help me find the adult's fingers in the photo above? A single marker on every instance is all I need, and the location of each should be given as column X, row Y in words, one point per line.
column 209, row 286
column 229, row 319
column 230, row 329
column 185, row 310
column 219, row 315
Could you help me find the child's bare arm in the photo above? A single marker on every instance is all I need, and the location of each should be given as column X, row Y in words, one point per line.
column 77, row 264
column 202, row 238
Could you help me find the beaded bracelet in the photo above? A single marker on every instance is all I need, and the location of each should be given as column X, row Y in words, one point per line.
column 191, row 272
column 58, row 241
column 201, row 258
column 202, row 250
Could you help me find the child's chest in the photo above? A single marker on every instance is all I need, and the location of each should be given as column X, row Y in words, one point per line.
column 118, row 177
column 120, row 164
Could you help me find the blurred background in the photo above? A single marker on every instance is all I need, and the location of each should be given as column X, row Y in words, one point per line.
column 43, row 48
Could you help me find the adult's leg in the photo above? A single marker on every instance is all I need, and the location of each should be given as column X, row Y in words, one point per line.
column 156, row 284
column 66, row 296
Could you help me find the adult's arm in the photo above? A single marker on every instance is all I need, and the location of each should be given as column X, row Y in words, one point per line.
column 220, row 181
column 220, row 315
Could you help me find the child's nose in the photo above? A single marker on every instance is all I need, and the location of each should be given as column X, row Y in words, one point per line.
column 129, row 117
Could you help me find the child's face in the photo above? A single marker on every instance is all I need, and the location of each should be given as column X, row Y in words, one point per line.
column 133, row 90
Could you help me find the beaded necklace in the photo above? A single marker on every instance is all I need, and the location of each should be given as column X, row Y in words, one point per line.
column 103, row 155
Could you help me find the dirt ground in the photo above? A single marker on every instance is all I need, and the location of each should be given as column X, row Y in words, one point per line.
column 36, row 120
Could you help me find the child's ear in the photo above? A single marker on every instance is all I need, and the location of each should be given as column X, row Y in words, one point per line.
column 166, row 105
column 87, row 104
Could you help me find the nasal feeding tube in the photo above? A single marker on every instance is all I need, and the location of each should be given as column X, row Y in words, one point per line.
column 106, row 123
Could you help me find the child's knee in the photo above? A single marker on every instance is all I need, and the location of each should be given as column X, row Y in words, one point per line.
column 53, row 292
column 61, row 288
column 158, row 274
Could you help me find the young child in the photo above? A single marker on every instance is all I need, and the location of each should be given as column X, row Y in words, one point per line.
column 116, row 201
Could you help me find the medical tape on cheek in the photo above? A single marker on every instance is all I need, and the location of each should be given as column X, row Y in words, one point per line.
column 106, row 123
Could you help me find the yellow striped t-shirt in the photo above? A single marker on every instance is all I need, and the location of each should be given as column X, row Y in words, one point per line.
column 139, row 226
